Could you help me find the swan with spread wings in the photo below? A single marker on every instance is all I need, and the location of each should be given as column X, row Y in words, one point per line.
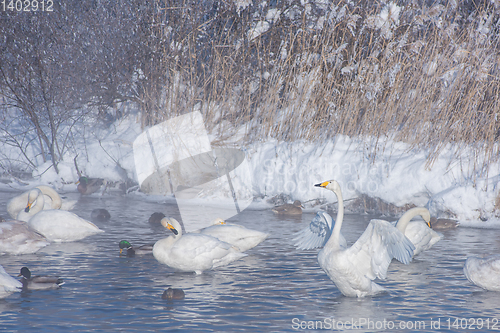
column 353, row 269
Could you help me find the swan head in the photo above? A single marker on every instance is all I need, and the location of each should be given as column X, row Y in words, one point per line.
column 331, row 185
column 25, row 272
column 426, row 215
column 33, row 195
column 171, row 224
column 218, row 221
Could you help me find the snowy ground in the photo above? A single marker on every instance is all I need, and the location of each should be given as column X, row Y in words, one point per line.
column 396, row 175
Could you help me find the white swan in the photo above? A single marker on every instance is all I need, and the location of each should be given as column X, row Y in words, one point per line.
column 192, row 252
column 354, row 269
column 239, row 236
column 16, row 237
column 484, row 272
column 8, row 284
column 33, row 205
column 62, row 226
column 317, row 233
column 418, row 232
column 54, row 224
column 52, row 200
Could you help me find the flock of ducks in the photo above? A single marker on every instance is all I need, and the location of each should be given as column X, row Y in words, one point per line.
column 39, row 218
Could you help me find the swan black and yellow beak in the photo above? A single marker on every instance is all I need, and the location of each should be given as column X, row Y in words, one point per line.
column 28, row 207
column 323, row 184
column 171, row 228
column 429, row 224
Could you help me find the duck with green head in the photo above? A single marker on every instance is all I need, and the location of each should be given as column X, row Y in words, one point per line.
column 131, row 251
column 88, row 185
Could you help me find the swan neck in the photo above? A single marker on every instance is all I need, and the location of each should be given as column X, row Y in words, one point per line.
column 406, row 218
column 335, row 237
column 38, row 206
column 54, row 196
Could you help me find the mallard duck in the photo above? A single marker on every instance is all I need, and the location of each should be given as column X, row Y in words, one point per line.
column 38, row 282
column 244, row 239
column 289, row 209
column 173, row 294
column 131, row 251
column 192, row 252
column 88, row 185
column 484, row 272
column 443, row 224
column 52, row 200
column 8, row 284
column 16, row 237
column 156, row 217
column 100, row 215
column 353, row 269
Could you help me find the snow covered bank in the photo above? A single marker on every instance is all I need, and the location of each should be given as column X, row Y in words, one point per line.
column 449, row 187
column 395, row 175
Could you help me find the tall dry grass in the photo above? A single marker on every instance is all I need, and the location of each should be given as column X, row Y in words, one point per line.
column 429, row 76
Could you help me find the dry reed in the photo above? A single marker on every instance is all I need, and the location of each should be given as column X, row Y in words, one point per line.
column 429, row 77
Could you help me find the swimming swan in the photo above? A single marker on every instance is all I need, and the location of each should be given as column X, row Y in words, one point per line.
column 239, row 236
column 56, row 225
column 484, row 272
column 16, row 237
column 38, row 282
column 354, row 269
column 418, row 232
column 317, row 233
column 52, row 200
column 8, row 284
column 62, row 226
column 192, row 252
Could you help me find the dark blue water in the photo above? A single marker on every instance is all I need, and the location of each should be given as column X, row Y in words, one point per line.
column 275, row 288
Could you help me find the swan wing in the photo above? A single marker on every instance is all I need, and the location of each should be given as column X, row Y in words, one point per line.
column 17, row 238
column 62, row 226
column 8, row 283
column 421, row 236
column 199, row 246
column 378, row 245
column 237, row 235
column 317, row 233
column 16, row 204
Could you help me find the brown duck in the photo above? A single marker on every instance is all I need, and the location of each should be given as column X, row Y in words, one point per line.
column 89, row 185
column 289, row 209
